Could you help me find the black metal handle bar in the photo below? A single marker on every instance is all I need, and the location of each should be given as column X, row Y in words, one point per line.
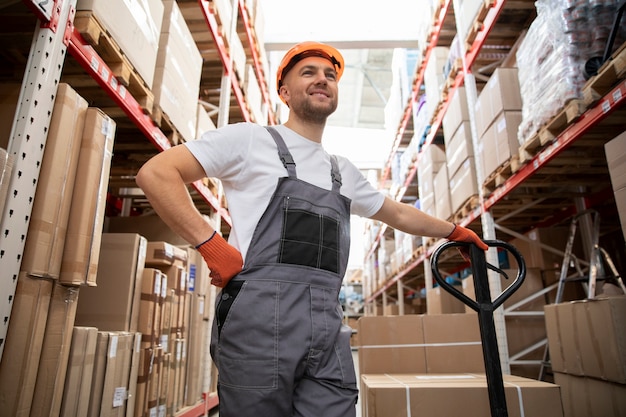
column 485, row 308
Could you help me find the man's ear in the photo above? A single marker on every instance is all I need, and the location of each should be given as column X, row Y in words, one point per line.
column 284, row 94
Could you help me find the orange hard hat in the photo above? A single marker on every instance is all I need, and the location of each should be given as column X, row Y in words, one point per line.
column 306, row 50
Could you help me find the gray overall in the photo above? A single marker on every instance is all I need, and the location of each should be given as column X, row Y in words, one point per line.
column 278, row 340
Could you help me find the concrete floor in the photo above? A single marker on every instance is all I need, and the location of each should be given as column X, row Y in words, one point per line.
column 355, row 356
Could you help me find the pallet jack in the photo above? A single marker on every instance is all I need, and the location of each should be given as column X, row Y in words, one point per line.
column 485, row 308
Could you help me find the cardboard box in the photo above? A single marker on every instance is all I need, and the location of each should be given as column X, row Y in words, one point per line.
column 164, row 254
column 590, row 397
column 459, row 147
column 135, row 25
column 204, row 123
column 456, row 114
column 24, row 342
column 55, row 352
column 588, row 338
column 114, row 303
column 440, row 301
column 82, row 244
column 434, row 78
column 501, row 93
column 149, row 309
column 454, row 395
column 77, row 387
column 133, row 375
column 178, row 70
column 149, row 226
column 463, row 184
column 109, row 387
column 146, row 359
column 420, row 344
column 43, row 249
column 499, row 143
column 441, row 185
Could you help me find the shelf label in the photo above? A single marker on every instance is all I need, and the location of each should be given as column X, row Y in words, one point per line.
column 617, row 95
column 606, row 106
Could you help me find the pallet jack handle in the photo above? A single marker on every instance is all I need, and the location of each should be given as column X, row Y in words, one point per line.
column 485, row 307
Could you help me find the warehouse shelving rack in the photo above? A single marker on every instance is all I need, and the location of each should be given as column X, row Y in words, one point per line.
column 53, row 38
column 514, row 204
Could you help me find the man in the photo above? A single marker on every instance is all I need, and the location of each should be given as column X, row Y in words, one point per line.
column 278, row 340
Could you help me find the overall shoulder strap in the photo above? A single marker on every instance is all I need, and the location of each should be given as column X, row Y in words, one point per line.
column 283, row 152
column 335, row 173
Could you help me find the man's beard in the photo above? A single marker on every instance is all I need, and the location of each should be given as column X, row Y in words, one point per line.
column 314, row 113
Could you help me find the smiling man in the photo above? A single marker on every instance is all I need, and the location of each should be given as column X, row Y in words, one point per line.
column 278, row 340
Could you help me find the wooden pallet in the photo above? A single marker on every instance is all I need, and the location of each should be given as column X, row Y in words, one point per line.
column 162, row 120
column 499, row 176
column 549, row 132
column 454, row 71
column 466, row 208
column 108, row 49
column 613, row 71
column 478, row 24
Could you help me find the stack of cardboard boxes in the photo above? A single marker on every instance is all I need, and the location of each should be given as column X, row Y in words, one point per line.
column 60, row 255
column 587, row 342
column 433, row 365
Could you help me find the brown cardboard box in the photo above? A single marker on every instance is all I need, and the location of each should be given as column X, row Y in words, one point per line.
column 419, row 344
column 434, row 79
column 77, row 387
column 504, row 91
column 164, row 254
column 456, row 114
column 109, row 386
column 452, row 343
column 501, row 93
column 133, row 374
column 82, row 244
column 20, row 358
column 165, row 384
column 499, row 143
column 154, row 382
column 391, row 344
column 135, row 26
column 55, row 351
column 441, row 186
column 590, row 397
column 149, row 324
column 588, row 338
column 440, row 301
column 43, row 249
column 454, row 395
column 463, row 184
column 459, row 147
column 536, row 256
column 146, row 359
column 114, row 303
column 178, row 70
column 149, row 226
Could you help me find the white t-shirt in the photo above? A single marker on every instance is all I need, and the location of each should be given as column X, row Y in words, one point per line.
column 245, row 158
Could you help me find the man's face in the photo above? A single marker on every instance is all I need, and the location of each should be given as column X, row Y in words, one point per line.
column 310, row 89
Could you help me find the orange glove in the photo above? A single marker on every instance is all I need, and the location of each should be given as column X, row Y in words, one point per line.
column 463, row 234
column 224, row 260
